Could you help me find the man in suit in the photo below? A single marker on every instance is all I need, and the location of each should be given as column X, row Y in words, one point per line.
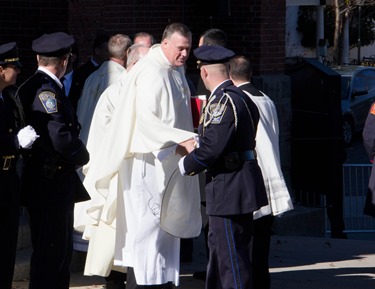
column 99, row 55
column 67, row 79
column 235, row 186
column 51, row 184
column 213, row 36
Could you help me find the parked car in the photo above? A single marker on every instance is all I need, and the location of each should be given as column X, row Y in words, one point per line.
column 357, row 95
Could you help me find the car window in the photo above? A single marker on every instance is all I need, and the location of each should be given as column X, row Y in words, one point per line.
column 370, row 77
column 360, row 82
column 345, row 82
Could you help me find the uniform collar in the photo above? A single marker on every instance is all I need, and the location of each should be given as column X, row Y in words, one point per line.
column 243, row 83
column 50, row 74
column 220, row 87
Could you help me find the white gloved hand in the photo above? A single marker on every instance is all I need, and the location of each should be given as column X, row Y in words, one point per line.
column 27, row 136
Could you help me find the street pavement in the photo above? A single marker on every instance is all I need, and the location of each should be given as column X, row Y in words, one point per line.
column 296, row 262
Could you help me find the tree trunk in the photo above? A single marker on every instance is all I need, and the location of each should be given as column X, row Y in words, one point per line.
column 336, row 37
column 345, row 40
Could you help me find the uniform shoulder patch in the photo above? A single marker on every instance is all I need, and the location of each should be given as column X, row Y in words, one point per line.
column 372, row 109
column 217, row 111
column 48, row 100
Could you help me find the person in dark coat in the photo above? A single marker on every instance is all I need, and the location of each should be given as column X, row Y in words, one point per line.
column 368, row 135
column 50, row 183
column 212, row 36
column 235, row 186
column 11, row 123
column 99, row 55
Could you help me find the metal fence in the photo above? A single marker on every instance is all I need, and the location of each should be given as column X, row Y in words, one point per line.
column 355, row 184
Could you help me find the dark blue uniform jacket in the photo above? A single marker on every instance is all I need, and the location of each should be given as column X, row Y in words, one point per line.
column 10, row 123
column 50, row 167
column 227, row 131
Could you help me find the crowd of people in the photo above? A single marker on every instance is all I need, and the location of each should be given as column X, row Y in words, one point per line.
column 108, row 151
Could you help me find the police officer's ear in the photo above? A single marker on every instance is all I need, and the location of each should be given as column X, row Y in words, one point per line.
column 204, row 71
column 65, row 60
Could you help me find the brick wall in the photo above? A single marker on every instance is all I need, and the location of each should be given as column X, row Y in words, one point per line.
column 254, row 27
column 23, row 21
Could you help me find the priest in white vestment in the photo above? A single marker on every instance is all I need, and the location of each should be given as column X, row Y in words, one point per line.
column 135, row 179
column 107, row 103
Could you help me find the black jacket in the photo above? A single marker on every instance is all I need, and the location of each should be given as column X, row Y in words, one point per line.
column 227, row 130
column 78, row 81
column 11, row 121
column 50, row 167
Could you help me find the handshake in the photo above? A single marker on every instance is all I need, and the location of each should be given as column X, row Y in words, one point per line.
column 27, row 136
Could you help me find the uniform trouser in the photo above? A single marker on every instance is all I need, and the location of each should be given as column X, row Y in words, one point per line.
column 260, row 252
column 131, row 283
column 229, row 242
column 9, row 222
column 52, row 239
column 335, row 213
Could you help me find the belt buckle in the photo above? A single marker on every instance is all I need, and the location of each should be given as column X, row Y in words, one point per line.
column 7, row 162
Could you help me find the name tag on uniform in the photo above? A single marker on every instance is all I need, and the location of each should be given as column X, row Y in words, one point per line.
column 49, row 102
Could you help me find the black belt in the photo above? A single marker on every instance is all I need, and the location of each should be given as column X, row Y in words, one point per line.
column 7, row 162
column 232, row 161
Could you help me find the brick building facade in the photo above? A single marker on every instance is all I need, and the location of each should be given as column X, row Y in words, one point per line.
column 255, row 28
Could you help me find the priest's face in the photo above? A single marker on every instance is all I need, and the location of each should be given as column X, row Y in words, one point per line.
column 177, row 49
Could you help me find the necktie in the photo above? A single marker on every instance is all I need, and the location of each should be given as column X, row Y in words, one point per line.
column 62, row 79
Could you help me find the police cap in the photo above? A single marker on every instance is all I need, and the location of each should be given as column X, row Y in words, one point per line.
column 9, row 54
column 54, row 44
column 212, row 54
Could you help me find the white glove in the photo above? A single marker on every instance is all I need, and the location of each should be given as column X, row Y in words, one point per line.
column 27, row 136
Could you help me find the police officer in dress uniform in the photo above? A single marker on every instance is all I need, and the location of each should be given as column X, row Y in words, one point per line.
column 11, row 121
column 369, row 144
column 235, row 187
column 50, row 182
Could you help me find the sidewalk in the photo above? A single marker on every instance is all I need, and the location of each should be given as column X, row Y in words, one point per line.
column 295, row 263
